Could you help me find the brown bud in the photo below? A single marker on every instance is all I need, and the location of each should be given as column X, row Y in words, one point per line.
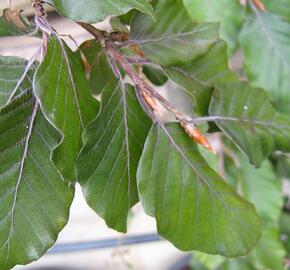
column 150, row 101
column 259, row 4
column 195, row 133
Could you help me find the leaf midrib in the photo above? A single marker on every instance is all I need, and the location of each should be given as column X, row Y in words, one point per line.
column 21, row 168
column 234, row 119
column 172, row 36
column 191, row 164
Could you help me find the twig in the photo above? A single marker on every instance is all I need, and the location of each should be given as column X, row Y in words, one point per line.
column 146, row 94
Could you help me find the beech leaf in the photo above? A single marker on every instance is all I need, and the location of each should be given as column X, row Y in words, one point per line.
column 99, row 72
column 247, row 117
column 34, row 199
column 92, row 11
column 268, row 67
column 199, row 76
column 174, row 39
column 12, row 23
column 229, row 13
column 109, row 160
column 195, row 209
column 15, row 77
column 62, row 88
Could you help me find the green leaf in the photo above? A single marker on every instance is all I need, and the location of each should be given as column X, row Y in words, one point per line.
column 282, row 166
column 62, row 88
column 210, row 261
column 34, row 199
column 261, row 187
column 194, row 208
column 109, row 160
column 12, row 23
column 228, row 12
column 156, row 76
column 264, row 190
column 264, row 41
column 92, row 11
column 281, row 8
column 200, row 75
column 247, row 117
column 285, row 230
column 269, row 253
column 240, row 264
column 14, row 78
column 117, row 25
column 174, row 39
column 99, row 72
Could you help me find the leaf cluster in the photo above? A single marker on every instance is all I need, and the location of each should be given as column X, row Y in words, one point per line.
column 96, row 116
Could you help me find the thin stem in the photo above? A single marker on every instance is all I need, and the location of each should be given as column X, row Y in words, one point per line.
column 212, row 119
column 141, row 85
column 138, row 60
column 99, row 35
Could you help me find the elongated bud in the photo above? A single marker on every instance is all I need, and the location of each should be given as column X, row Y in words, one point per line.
column 150, row 101
column 195, row 133
column 259, row 4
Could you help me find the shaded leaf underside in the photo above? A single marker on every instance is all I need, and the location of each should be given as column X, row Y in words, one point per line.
column 227, row 12
column 174, row 39
column 268, row 67
column 247, row 117
column 200, row 75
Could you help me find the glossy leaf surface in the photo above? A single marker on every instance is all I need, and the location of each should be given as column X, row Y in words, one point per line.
column 194, row 208
column 62, row 88
column 261, row 187
column 92, row 11
column 109, row 160
column 35, row 201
